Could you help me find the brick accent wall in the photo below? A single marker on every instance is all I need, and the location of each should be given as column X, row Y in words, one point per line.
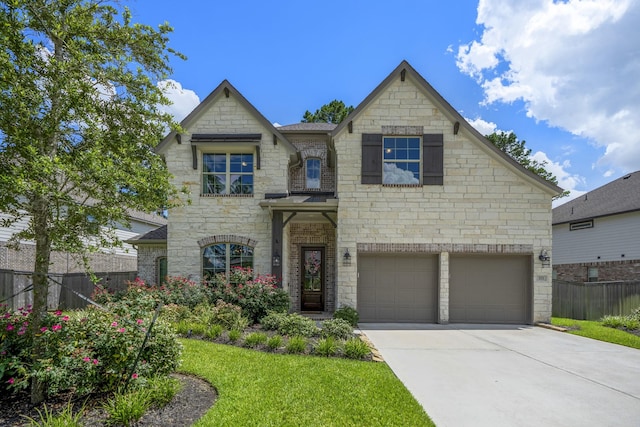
column 608, row 271
column 147, row 262
column 311, row 146
column 312, row 234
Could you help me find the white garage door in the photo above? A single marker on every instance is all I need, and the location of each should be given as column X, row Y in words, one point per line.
column 398, row 288
column 490, row 289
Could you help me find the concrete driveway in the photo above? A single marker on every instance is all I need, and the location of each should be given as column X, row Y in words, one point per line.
column 495, row 375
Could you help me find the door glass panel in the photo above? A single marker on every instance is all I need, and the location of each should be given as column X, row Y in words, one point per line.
column 312, row 270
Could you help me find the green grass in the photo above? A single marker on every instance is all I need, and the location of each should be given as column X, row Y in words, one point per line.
column 265, row 389
column 595, row 330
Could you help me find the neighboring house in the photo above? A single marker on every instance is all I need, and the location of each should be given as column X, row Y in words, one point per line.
column 107, row 260
column 403, row 211
column 596, row 237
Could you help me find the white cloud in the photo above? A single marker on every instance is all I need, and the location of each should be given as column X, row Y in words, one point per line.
column 566, row 180
column 573, row 63
column 395, row 175
column 183, row 100
column 483, row 126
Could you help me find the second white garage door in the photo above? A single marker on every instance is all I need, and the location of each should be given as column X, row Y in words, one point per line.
column 398, row 288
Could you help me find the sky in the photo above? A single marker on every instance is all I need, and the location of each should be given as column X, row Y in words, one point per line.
column 563, row 75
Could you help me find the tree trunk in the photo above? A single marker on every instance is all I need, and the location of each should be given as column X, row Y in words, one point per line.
column 40, row 289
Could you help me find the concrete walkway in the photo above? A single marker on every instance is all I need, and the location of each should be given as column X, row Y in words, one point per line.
column 495, row 375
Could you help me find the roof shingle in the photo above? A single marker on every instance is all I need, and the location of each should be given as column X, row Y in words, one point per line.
column 616, row 197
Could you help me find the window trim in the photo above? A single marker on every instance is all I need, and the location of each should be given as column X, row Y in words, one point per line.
column 393, row 161
column 159, row 277
column 306, row 173
column 227, row 261
column 228, row 154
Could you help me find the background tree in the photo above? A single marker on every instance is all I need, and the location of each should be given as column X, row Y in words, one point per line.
column 508, row 143
column 333, row 112
column 79, row 119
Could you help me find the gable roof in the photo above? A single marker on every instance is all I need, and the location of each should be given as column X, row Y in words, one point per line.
column 308, row 127
column 617, row 197
column 225, row 89
column 159, row 235
column 404, row 71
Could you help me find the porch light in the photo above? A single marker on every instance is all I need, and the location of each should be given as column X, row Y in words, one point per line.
column 545, row 258
column 276, row 259
column 346, row 258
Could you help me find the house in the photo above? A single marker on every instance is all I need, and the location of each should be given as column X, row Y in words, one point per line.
column 118, row 259
column 402, row 211
column 596, row 237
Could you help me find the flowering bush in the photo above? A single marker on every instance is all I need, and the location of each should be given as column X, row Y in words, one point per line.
column 256, row 296
column 87, row 351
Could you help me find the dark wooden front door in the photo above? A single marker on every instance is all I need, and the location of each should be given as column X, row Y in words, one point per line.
column 312, row 279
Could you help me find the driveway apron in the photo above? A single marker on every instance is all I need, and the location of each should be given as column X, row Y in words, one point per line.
column 498, row 375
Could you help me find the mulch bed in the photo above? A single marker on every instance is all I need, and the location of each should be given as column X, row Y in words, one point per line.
column 187, row 406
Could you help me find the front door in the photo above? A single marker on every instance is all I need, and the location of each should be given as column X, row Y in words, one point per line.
column 312, row 279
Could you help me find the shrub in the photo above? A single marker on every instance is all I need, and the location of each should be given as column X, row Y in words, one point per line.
column 174, row 313
column 255, row 339
column 347, row 313
column 273, row 320
column 213, row 332
column 296, row 344
column 181, row 291
column 355, row 348
column 275, row 342
column 337, row 328
column 127, row 408
column 290, row 324
column 635, row 314
column 229, row 316
column 612, row 321
column 256, row 296
column 327, row 347
column 88, row 351
column 63, row 418
column 161, row 390
column 234, row 335
column 631, row 324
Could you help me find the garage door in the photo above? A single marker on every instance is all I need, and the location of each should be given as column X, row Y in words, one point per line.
column 397, row 288
column 490, row 289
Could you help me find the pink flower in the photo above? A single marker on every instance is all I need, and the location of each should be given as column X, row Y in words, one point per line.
column 86, row 359
column 114, row 324
column 56, row 327
column 22, row 331
column 139, row 321
column 10, row 327
column 65, row 318
column 58, row 313
column 95, row 361
column 121, row 330
column 44, row 329
column 134, row 376
column 11, row 381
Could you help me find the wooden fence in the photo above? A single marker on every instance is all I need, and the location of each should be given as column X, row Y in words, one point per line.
column 592, row 301
column 14, row 283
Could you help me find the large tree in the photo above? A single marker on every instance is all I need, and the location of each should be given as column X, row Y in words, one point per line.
column 333, row 112
column 509, row 144
column 79, row 119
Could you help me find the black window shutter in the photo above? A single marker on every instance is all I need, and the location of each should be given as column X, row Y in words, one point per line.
column 432, row 159
column 371, row 158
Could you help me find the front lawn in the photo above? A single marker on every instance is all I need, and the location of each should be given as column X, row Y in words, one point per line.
column 595, row 330
column 257, row 388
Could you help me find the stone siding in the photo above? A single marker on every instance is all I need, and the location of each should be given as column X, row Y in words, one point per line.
column 484, row 203
column 204, row 216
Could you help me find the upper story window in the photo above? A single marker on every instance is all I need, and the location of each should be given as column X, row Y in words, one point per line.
column 312, row 167
column 227, row 173
column 401, row 160
column 222, row 257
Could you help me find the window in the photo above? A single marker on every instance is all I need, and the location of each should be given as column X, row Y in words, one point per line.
column 222, row 257
column 592, row 274
column 227, row 173
column 580, row 225
column 161, row 270
column 313, row 173
column 401, row 160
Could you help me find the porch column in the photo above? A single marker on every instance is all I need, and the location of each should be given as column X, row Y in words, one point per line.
column 276, row 246
column 443, row 289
